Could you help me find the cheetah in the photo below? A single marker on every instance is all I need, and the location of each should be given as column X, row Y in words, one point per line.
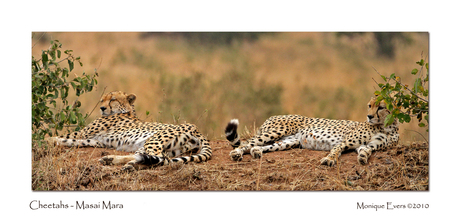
column 154, row 143
column 292, row 131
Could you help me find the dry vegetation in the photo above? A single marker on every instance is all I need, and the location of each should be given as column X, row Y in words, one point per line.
column 313, row 74
column 402, row 168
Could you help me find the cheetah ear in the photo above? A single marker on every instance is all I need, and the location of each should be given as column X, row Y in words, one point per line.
column 131, row 98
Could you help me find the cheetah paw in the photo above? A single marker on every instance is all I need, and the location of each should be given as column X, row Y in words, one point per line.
column 236, row 155
column 362, row 158
column 256, row 153
column 128, row 168
column 106, row 160
column 52, row 141
column 328, row 161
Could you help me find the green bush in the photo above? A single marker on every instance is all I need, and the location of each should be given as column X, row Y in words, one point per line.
column 404, row 101
column 51, row 111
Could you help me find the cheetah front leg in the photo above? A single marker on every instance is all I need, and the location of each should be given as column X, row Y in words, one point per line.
column 333, row 156
column 378, row 142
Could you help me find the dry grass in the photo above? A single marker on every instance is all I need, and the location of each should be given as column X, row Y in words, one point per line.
column 402, row 168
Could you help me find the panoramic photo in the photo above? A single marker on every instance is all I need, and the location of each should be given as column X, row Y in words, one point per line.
column 230, row 111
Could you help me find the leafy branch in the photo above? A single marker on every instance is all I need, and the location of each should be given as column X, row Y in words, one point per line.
column 51, row 85
column 404, row 102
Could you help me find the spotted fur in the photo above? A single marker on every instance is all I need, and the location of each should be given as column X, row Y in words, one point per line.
column 295, row 131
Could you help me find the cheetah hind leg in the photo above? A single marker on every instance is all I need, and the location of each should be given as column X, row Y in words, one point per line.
column 284, row 143
column 130, row 162
column 116, row 159
column 236, row 154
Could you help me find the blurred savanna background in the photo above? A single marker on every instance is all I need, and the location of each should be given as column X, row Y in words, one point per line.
column 209, row 78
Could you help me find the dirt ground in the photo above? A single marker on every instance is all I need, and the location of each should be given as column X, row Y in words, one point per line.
column 405, row 167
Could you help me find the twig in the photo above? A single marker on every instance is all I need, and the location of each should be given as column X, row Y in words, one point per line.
column 38, row 40
column 404, row 87
column 237, row 163
column 96, row 103
column 258, row 176
column 419, row 134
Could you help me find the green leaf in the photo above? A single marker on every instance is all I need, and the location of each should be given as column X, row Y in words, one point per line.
column 78, row 104
column 62, row 116
column 389, row 106
column 56, row 93
column 70, row 65
column 53, row 55
column 414, row 71
column 73, row 85
column 389, row 120
column 53, row 102
column 44, row 60
column 417, row 85
column 407, row 118
column 421, row 124
column 420, row 88
column 65, row 73
column 420, row 62
column 384, row 78
column 73, row 118
column 401, row 117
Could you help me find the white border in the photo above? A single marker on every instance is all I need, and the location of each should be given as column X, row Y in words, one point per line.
column 23, row 18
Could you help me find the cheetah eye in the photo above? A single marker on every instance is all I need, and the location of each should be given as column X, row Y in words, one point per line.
column 112, row 99
column 379, row 108
column 369, row 105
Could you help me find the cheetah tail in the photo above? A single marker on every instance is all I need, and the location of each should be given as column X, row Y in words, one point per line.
column 203, row 156
column 232, row 134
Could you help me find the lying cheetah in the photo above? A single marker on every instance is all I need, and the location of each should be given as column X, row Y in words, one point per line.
column 289, row 131
column 153, row 143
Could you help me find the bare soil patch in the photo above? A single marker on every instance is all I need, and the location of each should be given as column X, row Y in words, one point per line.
column 405, row 167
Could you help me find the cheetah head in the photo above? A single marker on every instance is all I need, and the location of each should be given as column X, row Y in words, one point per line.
column 376, row 114
column 117, row 102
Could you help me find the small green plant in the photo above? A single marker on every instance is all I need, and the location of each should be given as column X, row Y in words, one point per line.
column 51, row 111
column 404, row 101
